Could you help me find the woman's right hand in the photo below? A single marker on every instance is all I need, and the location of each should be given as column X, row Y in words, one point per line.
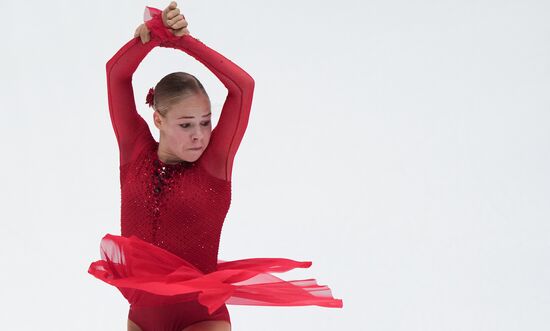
column 143, row 33
column 171, row 18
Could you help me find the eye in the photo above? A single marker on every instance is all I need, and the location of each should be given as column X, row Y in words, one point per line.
column 184, row 125
column 206, row 123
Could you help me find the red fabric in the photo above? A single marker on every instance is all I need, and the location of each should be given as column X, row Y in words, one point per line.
column 172, row 214
column 132, row 264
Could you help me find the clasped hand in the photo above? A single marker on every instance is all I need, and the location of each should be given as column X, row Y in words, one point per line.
column 171, row 18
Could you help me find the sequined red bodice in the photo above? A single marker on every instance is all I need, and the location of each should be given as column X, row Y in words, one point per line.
column 179, row 207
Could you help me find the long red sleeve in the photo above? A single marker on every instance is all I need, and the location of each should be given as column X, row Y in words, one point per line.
column 228, row 133
column 127, row 123
column 131, row 129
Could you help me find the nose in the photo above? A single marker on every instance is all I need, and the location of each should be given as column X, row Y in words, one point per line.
column 196, row 135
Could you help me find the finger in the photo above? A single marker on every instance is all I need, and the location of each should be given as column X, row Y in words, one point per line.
column 181, row 32
column 144, row 35
column 177, row 19
column 170, row 7
column 174, row 20
column 139, row 33
column 173, row 13
column 166, row 10
column 180, row 24
column 138, row 30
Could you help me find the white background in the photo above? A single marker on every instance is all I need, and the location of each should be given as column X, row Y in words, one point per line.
column 402, row 146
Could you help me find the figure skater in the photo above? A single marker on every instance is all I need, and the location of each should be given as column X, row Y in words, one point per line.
column 175, row 194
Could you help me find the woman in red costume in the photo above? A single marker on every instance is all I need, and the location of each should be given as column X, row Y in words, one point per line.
column 175, row 194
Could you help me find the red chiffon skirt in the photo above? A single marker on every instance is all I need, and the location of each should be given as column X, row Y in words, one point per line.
column 148, row 275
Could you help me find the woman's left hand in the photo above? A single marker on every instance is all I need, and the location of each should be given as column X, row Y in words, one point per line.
column 172, row 18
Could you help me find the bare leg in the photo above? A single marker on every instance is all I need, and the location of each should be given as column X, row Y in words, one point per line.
column 209, row 326
column 133, row 326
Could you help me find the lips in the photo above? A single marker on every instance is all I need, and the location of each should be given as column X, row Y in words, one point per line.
column 196, row 149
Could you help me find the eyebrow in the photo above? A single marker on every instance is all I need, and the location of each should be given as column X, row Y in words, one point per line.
column 194, row 116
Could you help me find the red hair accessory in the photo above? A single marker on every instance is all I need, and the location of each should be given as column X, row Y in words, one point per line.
column 150, row 97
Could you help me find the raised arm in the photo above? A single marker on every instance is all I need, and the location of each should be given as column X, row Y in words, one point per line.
column 131, row 130
column 229, row 131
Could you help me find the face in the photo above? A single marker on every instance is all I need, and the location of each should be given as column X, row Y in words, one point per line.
column 185, row 130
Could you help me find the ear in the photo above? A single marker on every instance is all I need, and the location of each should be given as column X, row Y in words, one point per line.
column 157, row 119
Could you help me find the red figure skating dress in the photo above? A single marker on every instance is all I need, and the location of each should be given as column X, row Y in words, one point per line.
column 165, row 262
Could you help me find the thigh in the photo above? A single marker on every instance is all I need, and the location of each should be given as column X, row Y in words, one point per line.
column 209, row 326
column 133, row 326
column 177, row 317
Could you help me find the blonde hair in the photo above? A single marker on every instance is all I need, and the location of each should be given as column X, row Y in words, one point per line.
column 174, row 87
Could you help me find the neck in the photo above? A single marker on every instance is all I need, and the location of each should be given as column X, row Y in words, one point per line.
column 167, row 157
